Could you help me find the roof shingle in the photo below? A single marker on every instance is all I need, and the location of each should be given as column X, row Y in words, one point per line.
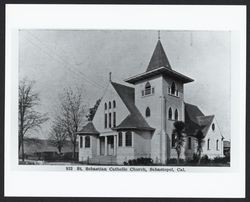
column 134, row 120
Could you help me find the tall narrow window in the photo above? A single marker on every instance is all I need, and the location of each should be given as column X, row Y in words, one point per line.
column 109, row 105
column 170, row 113
column 217, row 144
column 114, row 104
column 120, row 139
column 81, row 141
column 114, row 119
column 208, row 144
column 105, row 121
column 173, row 140
column 105, row 106
column 189, row 143
column 147, row 88
column 213, row 127
column 173, row 88
column 128, row 139
column 87, row 142
column 110, row 120
column 176, row 115
column 147, row 113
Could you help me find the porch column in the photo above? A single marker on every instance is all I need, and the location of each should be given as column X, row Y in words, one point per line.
column 98, row 147
column 106, row 146
column 115, row 144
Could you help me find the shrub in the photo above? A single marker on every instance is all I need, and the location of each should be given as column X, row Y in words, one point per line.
column 139, row 161
column 205, row 160
column 223, row 160
column 173, row 161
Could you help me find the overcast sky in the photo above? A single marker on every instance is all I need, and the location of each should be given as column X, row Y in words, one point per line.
column 56, row 59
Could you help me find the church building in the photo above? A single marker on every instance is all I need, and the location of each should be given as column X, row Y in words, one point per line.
column 138, row 122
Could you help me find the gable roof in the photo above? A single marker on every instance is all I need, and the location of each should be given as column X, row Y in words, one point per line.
column 195, row 120
column 88, row 129
column 134, row 120
column 159, row 58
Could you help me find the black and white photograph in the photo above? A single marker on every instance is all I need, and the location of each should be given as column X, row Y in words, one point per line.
column 124, row 97
column 125, row 101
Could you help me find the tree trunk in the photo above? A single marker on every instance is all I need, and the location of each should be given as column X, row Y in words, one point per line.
column 22, row 148
column 199, row 158
column 178, row 158
column 74, row 150
column 59, row 149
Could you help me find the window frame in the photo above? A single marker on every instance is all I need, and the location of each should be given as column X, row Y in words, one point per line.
column 114, row 119
column 173, row 140
column 114, row 104
column 120, row 139
column 208, row 144
column 128, row 134
column 170, row 113
column 105, row 120
column 81, row 141
column 147, row 112
column 110, row 120
column 87, row 142
column 176, row 113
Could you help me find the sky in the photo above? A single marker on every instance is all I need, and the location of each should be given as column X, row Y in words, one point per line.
column 58, row 59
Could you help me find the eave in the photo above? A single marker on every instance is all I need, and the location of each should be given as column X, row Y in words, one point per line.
column 159, row 71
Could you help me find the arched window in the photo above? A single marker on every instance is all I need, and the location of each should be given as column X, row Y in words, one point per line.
column 173, row 140
column 170, row 113
column 189, row 142
column 217, row 144
column 87, row 142
column 109, row 105
column 105, row 106
column 114, row 104
column 147, row 112
column 213, row 126
column 173, row 88
column 176, row 115
column 120, row 139
column 128, row 139
column 147, row 88
column 208, row 144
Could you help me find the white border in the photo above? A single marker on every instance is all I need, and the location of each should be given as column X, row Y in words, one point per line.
column 114, row 184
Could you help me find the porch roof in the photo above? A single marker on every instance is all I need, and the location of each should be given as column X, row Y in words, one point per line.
column 88, row 129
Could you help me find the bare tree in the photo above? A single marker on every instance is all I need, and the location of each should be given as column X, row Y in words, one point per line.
column 72, row 116
column 28, row 117
column 93, row 110
column 58, row 135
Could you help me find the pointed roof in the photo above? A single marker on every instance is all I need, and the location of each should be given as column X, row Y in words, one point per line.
column 159, row 58
column 195, row 120
column 135, row 119
column 88, row 129
column 159, row 65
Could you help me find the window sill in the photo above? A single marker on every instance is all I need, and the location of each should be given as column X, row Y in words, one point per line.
column 174, row 95
column 147, row 95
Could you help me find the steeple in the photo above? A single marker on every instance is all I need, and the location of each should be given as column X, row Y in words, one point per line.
column 159, row 58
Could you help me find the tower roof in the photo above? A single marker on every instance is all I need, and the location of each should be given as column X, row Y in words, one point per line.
column 159, row 58
column 159, row 65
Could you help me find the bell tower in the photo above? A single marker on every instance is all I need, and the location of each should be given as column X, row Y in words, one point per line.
column 159, row 94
